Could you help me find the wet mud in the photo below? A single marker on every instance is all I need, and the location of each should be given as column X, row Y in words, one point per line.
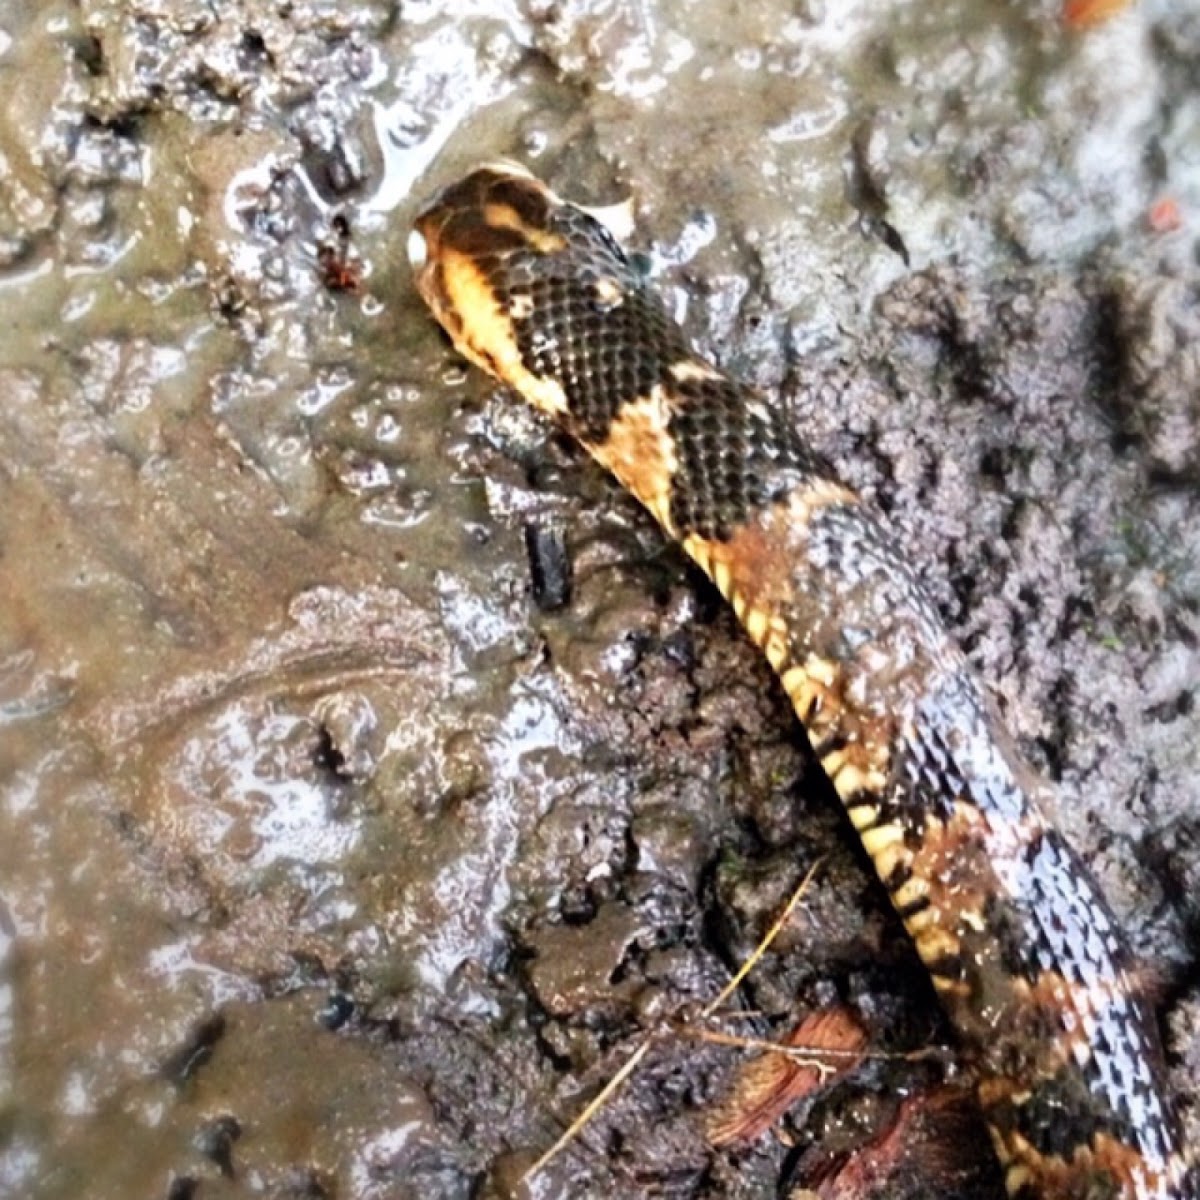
column 374, row 779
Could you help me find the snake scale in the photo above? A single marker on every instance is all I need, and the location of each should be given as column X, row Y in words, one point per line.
column 1026, row 957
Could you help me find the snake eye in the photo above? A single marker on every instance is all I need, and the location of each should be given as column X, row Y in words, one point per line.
column 416, row 249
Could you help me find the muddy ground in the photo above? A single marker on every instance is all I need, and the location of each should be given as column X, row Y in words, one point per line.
column 337, row 860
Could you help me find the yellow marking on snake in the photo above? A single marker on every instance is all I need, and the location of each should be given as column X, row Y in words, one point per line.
column 875, row 780
column 722, row 577
column 777, row 650
column 816, row 493
column 920, row 921
column 503, row 216
column 1016, row 1177
column 850, row 781
column 490, row 344
column 936, row 943
column 608, row 292
column 794, row 680
column 945, row 986
column 821, row 669
column 757, row 625
column 876, row 840
column 892, row 858
column 699, row 550
column 688, row 370
column 910, row 892
column 833, row 762
column 640, row 452
column 864, row 816
column 805, row 693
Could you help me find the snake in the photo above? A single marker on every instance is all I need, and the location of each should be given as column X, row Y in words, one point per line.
column 1031, row 967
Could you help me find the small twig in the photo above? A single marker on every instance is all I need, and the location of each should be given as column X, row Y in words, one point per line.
column 763, row 946
column 602, row 1097
column 593, row 1107
column 808, row 1055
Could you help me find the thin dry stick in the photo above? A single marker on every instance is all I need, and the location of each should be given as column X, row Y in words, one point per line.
column 763, row 946
column 594, row 1106
column 810, row 1056
column 602, row 1097
column 802, row 1053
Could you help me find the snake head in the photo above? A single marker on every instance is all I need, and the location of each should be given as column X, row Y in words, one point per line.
column 499, row 258
column 479, row 225
column 469, row 247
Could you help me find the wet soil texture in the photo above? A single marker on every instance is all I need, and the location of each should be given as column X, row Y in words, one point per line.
column 374, row 779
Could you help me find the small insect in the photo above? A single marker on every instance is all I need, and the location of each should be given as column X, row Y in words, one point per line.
column 340, row 271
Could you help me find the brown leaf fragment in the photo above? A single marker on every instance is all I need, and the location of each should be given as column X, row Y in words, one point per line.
column 825, row 1045
column 936, row 1145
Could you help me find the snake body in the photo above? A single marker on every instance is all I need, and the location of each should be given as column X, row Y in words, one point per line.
column 1025, row 955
